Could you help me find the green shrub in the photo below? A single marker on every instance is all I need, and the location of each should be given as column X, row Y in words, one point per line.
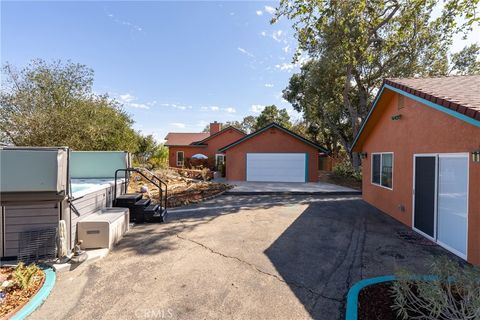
column 24, row 275
column 345, row 170
column 453, row 292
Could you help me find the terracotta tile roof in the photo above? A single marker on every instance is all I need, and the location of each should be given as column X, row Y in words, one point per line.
column 184, row 138
column 459, row 93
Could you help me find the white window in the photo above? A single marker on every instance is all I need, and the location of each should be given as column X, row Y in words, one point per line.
column 382, row 169
column 219, row 160
column 180, row 158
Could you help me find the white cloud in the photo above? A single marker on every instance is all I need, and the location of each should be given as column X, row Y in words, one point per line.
column 245, row 52
column 268, row 85
column 126, row 98
column 176, row 106
column 178, row 125
column 285, row 66
column 210, row 108
column 128, row 24
column 277, row 35
column 139, row 106
column 286, row 49
column 259, row 12
column 257, row 108
column 269, row 9
column 216, row 109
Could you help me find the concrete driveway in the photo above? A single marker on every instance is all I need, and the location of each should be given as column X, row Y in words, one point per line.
column 241, row 257
column 292, row 188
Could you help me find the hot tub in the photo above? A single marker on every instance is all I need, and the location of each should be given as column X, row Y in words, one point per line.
column 81, row 187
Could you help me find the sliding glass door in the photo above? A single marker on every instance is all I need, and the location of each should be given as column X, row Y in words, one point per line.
column 453, row 202
column 441, row 199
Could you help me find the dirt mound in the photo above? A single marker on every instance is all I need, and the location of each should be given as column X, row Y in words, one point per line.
column 182, row 188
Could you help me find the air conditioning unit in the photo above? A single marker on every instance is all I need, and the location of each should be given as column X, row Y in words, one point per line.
column 104, row 228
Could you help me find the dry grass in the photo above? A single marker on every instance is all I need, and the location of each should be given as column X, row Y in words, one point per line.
column 182, row 190
column 16, row 297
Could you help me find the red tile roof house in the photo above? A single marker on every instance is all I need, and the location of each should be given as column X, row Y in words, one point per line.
column 270, row 154
column 420, row 146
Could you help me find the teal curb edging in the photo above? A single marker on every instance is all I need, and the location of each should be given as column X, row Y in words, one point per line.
column 39, row 298
column 352, row 297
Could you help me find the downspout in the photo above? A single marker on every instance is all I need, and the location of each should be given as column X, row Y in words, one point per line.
column 3, row 231
column 69, row 199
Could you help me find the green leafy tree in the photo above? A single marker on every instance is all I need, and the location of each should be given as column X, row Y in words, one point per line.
column 272, row 114
column 247, row 125
column 357, row 43
column 466, row 61
column 159, row 158
column 54, row 105
column 147, row 146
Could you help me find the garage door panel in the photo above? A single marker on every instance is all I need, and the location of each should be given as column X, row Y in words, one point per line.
column 276, row 167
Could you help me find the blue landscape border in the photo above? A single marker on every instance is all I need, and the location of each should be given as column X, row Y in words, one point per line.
column 352, row 297
column 39, row 298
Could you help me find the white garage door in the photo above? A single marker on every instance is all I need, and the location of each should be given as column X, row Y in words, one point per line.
column 276, row 167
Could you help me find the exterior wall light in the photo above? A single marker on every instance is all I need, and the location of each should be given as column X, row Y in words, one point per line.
column 476, row 156
column 363, row 155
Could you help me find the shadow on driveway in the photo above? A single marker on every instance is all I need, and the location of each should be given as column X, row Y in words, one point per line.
column 334, row 244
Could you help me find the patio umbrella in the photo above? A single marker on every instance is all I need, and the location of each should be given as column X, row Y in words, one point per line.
column 199, row 156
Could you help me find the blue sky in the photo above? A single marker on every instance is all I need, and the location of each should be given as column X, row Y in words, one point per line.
column 174, row 65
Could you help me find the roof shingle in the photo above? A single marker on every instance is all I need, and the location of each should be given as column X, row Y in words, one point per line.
column 459, row 93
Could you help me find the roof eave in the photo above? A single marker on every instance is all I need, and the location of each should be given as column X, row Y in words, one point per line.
column 414, row 95
column 186, row 145
column 251, row 135
column 220, row 132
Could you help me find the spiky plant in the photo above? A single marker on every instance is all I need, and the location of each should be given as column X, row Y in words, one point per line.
column 452, row 292
column 24, row 275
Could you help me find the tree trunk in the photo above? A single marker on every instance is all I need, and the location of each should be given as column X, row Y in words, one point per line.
column 355, row 158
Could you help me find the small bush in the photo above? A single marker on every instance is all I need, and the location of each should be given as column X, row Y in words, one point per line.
column 24, row 275
column 345, row 170
column 453, row 292
column 205, row 174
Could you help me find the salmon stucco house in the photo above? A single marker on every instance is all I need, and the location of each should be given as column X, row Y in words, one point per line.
column 182, row 146
column 271, row 154
column 420, row 149
column 274, row 154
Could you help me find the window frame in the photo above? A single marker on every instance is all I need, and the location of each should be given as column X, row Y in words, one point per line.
column 176, row 158
column 381, row 161
column 216, row 159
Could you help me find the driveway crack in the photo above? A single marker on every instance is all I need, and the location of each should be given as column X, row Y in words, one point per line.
column 315, row 293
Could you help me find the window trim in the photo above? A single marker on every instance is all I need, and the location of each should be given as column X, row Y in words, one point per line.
column 371, row 169
column 216, row 159
column 176, row 158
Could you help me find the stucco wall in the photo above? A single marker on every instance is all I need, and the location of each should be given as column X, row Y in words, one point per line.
column 421, row 129
column 188, row 153
column 215, row 143
column 272, row 140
